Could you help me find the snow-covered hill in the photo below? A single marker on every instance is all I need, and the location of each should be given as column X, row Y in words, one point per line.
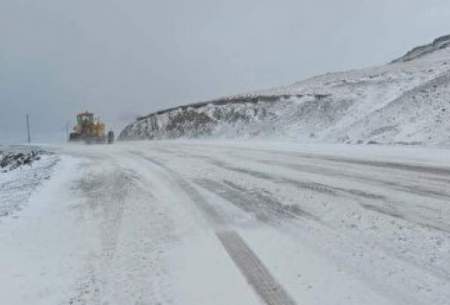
column 406, row 101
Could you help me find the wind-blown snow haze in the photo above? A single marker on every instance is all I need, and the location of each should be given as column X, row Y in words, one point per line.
column 225, row 152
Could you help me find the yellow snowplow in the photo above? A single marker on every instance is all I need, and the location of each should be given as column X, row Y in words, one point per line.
column 90, row 130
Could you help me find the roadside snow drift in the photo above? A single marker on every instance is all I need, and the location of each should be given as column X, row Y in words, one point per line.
column 22, row 171
column 405, row 102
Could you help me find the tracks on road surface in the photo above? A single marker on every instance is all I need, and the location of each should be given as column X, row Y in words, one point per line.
column 257, row 275
column 252, row 268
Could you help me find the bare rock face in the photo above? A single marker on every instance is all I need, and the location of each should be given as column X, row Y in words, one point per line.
column 403, row 103
column 251, row 116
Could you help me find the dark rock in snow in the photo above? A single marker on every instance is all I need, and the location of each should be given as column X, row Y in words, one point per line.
column 13, row 160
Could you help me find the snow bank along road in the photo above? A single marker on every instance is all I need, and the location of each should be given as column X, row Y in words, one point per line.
column 232, row 223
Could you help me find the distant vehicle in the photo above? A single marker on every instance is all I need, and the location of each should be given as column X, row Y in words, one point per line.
column 110, row 137
column 89, row 130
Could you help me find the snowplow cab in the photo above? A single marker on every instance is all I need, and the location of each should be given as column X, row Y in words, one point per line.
column 85, row 118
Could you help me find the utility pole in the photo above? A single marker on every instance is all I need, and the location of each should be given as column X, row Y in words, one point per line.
column 28, row 129
column 67, row 131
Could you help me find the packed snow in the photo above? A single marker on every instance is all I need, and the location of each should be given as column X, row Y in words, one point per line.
column 228, row 222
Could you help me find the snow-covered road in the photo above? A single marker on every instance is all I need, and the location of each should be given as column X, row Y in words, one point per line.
column 212, row 223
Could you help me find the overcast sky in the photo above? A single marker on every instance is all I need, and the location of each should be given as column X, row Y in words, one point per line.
column 122, row 58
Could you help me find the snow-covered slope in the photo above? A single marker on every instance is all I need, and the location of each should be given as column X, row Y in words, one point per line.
column 406, row 102
column 439, row 43
column 23, row 170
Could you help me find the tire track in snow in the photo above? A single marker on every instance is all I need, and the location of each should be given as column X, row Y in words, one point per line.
column 386, row 209
column 212, row 215
column 257, row 275
column 124, row 264
column 267, row 210
column 263, row 206
column 442, row 171
column 251, row 267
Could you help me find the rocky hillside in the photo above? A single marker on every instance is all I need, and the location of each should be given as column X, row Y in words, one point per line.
column 406, row 101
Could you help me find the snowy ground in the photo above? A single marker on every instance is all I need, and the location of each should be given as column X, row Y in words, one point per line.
column 18, row 182
column 232, row 223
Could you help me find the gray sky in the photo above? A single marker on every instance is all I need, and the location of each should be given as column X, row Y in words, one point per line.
column 123, row 58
